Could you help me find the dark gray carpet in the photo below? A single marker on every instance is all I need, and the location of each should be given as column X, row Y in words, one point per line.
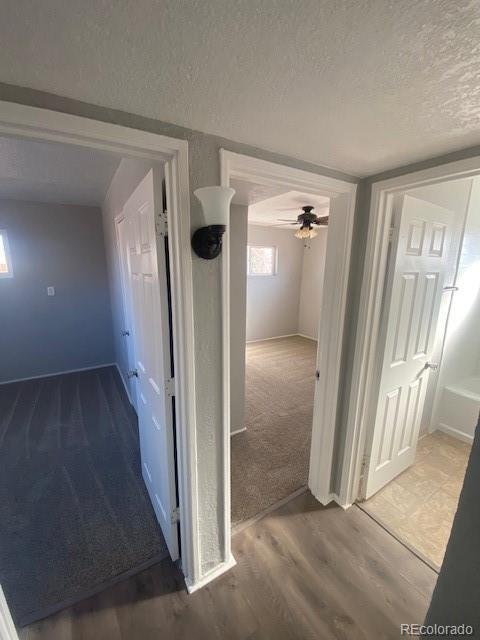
column 74, row 512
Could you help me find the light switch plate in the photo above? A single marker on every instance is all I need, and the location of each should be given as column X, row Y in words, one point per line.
column 50, row 291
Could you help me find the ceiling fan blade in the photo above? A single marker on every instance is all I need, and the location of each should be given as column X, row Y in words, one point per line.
column 290, row 221
column 321, row 221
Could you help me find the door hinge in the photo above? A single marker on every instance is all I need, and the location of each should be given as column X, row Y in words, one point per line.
column 390, row 233
column 175, row 515
column 170, row 387
column 161, row 224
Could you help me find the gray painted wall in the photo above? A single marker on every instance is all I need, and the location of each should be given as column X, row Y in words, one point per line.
column 273, row 301
column 60, row 246
column 238, row 302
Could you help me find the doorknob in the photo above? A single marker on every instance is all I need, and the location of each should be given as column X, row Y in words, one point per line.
column 125, row 332
column 432, row 365
column 133, row 373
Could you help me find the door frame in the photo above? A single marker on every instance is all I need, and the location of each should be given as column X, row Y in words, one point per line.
column 369, row 319
column 337, row 270
column 43, row 124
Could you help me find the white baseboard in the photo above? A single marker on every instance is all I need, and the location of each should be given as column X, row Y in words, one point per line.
column 211, row 575
column 234, row 433
column 60, row 373
column 287, row 335
column 331, row 497
column 303, row 335
column 455, row 433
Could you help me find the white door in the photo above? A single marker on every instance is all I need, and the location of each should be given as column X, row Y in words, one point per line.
column 147, row 267
column 127, row 329
column 417, row 267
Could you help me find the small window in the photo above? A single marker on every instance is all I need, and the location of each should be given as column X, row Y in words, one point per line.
column 261, row 261
column 5, row 261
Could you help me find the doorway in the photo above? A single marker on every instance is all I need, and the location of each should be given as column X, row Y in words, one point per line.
column 278, row 281
column 268, row 180
column 424, row 402
column 67, row 408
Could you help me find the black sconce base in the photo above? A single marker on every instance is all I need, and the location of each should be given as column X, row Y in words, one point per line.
column 207, row 241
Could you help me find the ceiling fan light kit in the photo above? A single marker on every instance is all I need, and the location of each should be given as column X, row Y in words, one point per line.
column 307, row 219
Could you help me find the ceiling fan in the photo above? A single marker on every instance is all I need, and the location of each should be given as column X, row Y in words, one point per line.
column 307, row 219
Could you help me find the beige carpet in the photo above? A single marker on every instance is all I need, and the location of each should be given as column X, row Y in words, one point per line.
column 270, row 459
column 419, row 505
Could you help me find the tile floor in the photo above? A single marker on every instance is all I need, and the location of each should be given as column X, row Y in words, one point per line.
column 419, row 505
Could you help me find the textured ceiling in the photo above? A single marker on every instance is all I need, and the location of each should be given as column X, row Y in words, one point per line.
column 50, row 172
column 248, row 193
column 270, row 212
column 361, row 86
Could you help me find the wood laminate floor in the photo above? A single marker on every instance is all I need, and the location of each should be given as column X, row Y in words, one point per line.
column 303, row 572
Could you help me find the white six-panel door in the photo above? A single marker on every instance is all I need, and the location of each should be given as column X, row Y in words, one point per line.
column 417, row 267
column 147, row 278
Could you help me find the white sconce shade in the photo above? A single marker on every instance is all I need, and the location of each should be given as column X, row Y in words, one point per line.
column 215, row 203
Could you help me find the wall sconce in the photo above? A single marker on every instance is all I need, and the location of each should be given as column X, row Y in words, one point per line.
column 215, row 201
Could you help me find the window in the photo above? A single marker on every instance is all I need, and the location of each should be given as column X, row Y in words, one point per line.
column 5, row 261
column 261, row 261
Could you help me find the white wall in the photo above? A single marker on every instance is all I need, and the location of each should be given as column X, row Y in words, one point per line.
column 313, row 270
column 127, row 177
column 273, row 301
column 462, row 344
column 238, row 302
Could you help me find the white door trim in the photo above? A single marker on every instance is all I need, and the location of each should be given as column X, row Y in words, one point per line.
column 234, row 165
column 380, row 216
column 43, row 124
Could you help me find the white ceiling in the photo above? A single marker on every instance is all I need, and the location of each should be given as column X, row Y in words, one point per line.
column 51, row 172
column 287, row 206
column 248, row 193
column 361, row 86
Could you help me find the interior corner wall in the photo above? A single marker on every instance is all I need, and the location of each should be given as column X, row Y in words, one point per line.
column 60, row 246
column 313, row 272
column 128, row 176
column 273, row 301
column 238, row 304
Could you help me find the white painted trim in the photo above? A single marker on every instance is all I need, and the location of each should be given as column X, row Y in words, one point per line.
column 211, row 575
column 370, row 309
column 234, row 433
column 337, row 269
column 286, row 335
column 43, row 124
column 302, row 335
column 7, row 628
column 455, row 433
column 60, row 373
